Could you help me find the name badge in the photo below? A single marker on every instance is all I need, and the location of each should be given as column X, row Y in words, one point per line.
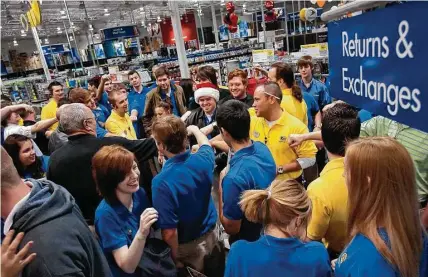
column 256, row 134
column 282, row 139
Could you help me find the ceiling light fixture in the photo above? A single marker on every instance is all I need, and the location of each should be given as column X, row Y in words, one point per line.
column 59, row 28
column 106, row 14
column 105, row 10
column 141, row 8
column 91, row 28
column 159, row 19
column 62, row 12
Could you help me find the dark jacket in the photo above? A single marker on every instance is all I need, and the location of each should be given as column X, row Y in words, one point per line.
column 197, row 118
column 153, row 99
column 248, row 100
column 63, row 242
column 70, row 167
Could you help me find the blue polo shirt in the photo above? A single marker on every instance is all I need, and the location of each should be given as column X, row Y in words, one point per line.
column 104, row 101
column 277, row 257
column 101, row 113
column 252, row 167
column 182, row 194
column 173, row 101
column 361, row 259
column 137, row 100
column 313, row 109
column 318, row 90
column 117, row 227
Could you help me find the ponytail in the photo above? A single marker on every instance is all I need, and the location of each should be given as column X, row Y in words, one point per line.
column 254, row 205
column 283, row 204
column 297, row 92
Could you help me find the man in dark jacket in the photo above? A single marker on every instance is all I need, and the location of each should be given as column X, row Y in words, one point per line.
column 207, row 98
column 49, row 217
column 167, row 92
column 70, row 165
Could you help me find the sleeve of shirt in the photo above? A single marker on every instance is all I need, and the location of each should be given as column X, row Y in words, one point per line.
column 307, row 149
column 204, row 156
column 20, row 130
column 143, row 149
column 369, row 128
column 320, row 219
column 46, row 114
column 101, row 132
column 109, row 231
column 231, row 195
column 326, row 98
column 315, row 108
column 165, row 204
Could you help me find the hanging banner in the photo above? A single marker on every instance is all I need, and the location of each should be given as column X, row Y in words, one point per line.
column 378, row 62
column 119, row 32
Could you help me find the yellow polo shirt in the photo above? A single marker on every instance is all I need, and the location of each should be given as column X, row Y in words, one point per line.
column 329, row 196
column 297, row 109
column 276, row 137
column 49, row 111
column 120, row 125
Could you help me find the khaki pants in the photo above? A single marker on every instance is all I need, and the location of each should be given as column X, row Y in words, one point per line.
column 199, row 252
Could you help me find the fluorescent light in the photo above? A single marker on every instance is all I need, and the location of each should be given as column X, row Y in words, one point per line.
column 62, row 12
column 59, row 28
column 141, row 8
column 23, row 35
column 106, row 10
column 59, row 32
column 63, row 17
column 106, row 14
column 22, row 32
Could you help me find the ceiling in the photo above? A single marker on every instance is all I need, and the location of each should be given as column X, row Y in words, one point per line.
column 118, row 13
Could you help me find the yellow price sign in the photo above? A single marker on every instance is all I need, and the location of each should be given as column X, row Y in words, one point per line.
column 263, row 56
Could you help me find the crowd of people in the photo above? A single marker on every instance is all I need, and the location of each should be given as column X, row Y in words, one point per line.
column 184, row 178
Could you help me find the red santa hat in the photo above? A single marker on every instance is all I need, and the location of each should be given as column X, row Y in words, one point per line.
column 206, row 91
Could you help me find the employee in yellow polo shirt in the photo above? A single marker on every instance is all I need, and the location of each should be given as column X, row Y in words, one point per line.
column 292, row 96
column 56, row 91
column 119, row 122
column 273, row 125
column 329, row 193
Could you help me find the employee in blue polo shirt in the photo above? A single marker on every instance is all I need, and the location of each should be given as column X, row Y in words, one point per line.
column 137, row 100
column 310, row 85
column 124, row 218
column 284, row 209
column 251, row 167
column 388, row 238
column 182, row 195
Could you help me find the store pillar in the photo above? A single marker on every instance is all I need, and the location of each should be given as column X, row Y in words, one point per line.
column 179, row 41
column 215, row 27
column 42, row 56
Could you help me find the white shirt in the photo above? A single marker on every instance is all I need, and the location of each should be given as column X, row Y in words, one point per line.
column 13, row 129
column 9, row 220
column 271, row 123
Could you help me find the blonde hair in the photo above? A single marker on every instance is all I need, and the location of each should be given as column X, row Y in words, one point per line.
column 381, row 184
column 284, row 204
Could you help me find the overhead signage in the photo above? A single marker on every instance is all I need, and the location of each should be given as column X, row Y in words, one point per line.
column 315, row 49
column 119, row 32
column 378, row 62
column 53, row 49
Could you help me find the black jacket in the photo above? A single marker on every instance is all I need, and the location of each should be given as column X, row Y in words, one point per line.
column 63, row 242
column 70, row 167
column 197, row 118
column 248, row 100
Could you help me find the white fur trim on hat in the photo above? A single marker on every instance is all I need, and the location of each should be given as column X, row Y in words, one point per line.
column 207, row 92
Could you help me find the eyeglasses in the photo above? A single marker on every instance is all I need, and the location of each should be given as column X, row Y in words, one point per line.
column 270, row 94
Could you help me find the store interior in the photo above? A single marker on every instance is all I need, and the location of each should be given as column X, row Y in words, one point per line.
column 76, row 40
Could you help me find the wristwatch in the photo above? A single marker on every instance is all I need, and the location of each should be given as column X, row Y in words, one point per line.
column 280, row 170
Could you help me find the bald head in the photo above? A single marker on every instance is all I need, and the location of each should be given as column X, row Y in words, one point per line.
column 9, row 174
column 73, row 118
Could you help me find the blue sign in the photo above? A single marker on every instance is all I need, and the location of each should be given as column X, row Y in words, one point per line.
column 378, row 62
column 119, row 32
column 53, row 49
